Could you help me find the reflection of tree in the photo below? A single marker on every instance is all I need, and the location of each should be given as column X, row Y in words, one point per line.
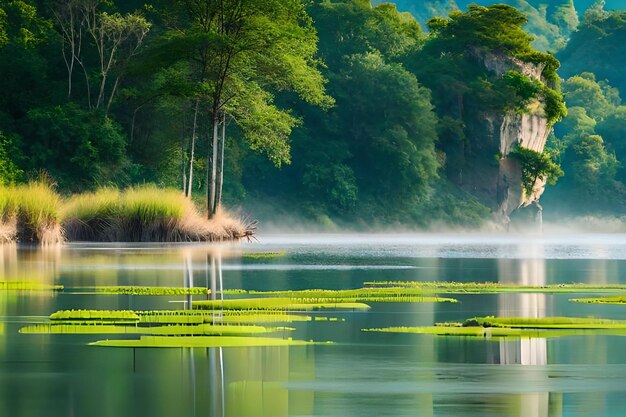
column 241, row 382
column 529, row 269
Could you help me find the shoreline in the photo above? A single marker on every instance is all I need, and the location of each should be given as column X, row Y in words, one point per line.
column 34, row 213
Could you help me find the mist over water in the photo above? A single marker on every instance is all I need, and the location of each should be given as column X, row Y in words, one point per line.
column 464, row 245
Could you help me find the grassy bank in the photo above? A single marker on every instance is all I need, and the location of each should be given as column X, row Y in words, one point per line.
column 35, row 213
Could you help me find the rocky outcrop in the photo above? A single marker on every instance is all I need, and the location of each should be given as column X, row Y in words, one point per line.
column 529, row 129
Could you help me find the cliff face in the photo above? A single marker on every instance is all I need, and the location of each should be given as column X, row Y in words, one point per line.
column 501, row 186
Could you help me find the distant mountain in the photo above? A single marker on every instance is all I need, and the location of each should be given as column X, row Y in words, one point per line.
column 550, row 21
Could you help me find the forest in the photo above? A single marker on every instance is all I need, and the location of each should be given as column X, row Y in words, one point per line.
column 335, row 112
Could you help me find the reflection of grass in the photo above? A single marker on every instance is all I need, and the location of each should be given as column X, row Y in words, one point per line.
column 103, row 315
column 287, row 304
column 517, row 327
column 201, row 342
column 619, row 299
column 28, row 286
column 264, row 255
column 493, row 287
column 380, row 295
column 178, row 330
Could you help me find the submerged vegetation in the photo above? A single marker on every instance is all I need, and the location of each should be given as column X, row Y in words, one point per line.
column 35, row 213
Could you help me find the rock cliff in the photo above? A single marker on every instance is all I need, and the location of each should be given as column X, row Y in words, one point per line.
column 529, row 129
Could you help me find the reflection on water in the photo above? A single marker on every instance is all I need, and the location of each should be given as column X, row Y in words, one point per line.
column 363, row 374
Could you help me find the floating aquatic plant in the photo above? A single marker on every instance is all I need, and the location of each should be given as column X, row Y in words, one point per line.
column 494, row 287
column 495, row 332
column 380, row 295
column 517, row 327
column 545, row 322
column 202, row 342
column 102, row 315
column 28, row 286
column 287, row 304
column 136, row 290
column 226, row 316
column 619, row 299
column 173, row 330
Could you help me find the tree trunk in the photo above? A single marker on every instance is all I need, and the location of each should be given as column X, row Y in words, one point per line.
column 115, row 85
column 220, row 165
column 212, row 174
column 194, row 129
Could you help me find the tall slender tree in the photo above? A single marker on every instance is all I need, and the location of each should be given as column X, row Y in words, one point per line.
column 245, row 51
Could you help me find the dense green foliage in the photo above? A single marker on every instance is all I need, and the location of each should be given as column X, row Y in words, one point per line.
column 536, row 166
column 336, row 111
column 589, row 146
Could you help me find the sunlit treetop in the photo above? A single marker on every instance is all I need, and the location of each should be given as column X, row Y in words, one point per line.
column 496, row 29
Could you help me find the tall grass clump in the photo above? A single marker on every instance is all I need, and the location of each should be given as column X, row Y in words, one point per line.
column 87, row 216
column 30, row 213
column 142, row 214
column 8, row 230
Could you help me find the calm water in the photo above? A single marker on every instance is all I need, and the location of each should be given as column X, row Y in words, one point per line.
column 362, row 374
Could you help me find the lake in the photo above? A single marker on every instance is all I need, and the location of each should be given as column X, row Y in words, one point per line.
column 360, row 373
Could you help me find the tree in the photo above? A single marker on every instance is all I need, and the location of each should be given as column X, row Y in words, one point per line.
column 115, row 37
column 536, row 166
column 10, row 173
column 244, row 50
column 77, row 147
column 593, row 168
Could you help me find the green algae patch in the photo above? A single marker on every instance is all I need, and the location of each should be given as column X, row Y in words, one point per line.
column 519, row 327
column 150, row 291
column 546, row 323
column 494, row 287
column 101, row 315
column 215, row 316
column 619, row 299
column 201, row 342
column 375, row 295
column 28, row 286
column 264, row 255
column 497, row 332
column 286, row 304
column 173, row 330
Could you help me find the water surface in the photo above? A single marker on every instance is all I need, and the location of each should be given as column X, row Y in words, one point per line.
column 361, row 374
